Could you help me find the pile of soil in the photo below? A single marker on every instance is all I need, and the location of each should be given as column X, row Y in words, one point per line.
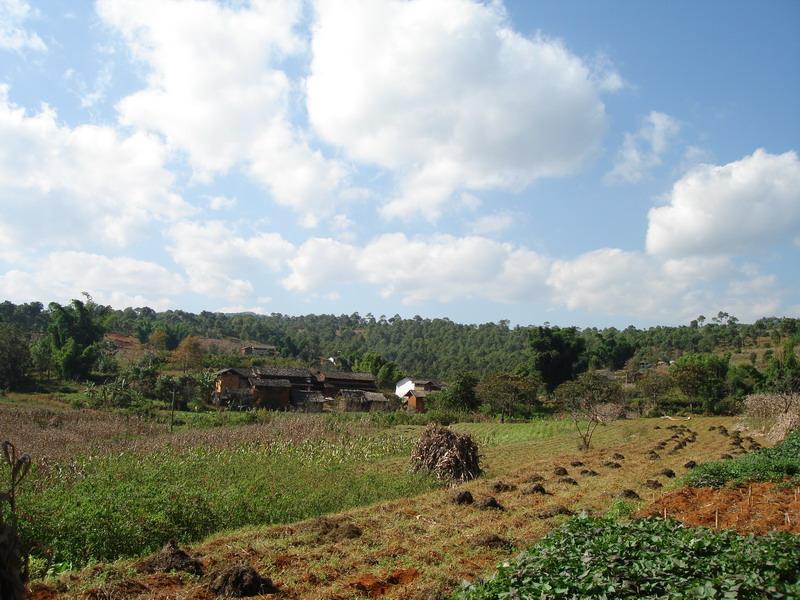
column 491, row 540
column 462, row 497
column 536, row 488
column 501, row 486
column 170, row 558
column 489, row 502
column 337, row 531
column 240, row 581
column 554, row 511
column 449, row 455
column 758, row 508
column 629, row 495
column 376, row 587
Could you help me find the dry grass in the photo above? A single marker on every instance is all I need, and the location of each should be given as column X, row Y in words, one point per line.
column 423, row 547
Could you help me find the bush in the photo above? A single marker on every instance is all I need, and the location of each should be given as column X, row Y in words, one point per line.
column 769, row 464
column 448, row 455
column 648, row 558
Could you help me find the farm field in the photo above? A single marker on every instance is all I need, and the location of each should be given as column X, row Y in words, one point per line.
column 417, row 543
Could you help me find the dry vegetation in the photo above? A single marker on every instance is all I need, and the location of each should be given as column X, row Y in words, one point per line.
column 423, row 547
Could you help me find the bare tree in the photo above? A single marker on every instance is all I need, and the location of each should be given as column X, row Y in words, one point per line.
column 587, row 399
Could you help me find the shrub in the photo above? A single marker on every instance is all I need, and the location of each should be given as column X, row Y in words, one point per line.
column 768, row 464
column 448, row 455
column 13, row 556
column 648, row 558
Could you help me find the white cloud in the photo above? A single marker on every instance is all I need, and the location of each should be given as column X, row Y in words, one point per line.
column 215, row 90
column 729, row 209
column 443, row 268
column 448, row 96
column 75, row 184
column 493, row 223
column 119, row 280
column 221, row 203
column 643, row 150
column 221, row 263
column 13, row 35
column 611, row 281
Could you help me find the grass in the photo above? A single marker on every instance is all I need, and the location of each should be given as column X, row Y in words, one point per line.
column 131, row 504
column 647, row 558
column 107, row 486
column 427, row 533
column 768, row 464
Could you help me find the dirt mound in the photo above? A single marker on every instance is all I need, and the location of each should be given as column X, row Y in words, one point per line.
column 653, row 484
column 449, row 455
column 490, row 502
column 170, row 558
column 501, row 486
column 629, row 495
column 758, row 508
column 689, row 464
column 576, row 463
column 462, row 497
column 491, row 540
column 560, row 471
column 568, row 481
column 618, row 456
column 536, row 488
column 549, row 513
column 612, row 465
column 589, row 473
column 240, row 581
column 535, row 478
column 328, row 530
column 377, row 587
column 667, row 473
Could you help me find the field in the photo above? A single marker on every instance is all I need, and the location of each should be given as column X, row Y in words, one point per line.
column 323, row 505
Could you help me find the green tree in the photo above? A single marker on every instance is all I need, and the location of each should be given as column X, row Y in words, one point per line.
column 509, row 395
column 42, row 355
column 557, row 354
column 651, row 387
column 461, row 394
column 15, row 358
column 702, row 377
column 74, row 332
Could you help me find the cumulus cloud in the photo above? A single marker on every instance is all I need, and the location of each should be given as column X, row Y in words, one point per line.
column 221, row 263
column 118, row 280
column 215, row 89
column 68, row 184
column 13, row 34
column 643, row 150
column 443, row 268
column 448, row 96
column 729, row 209
column 493, row 223
column 612, row 281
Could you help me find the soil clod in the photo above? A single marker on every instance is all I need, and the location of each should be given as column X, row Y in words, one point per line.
column 589, row 473
column 502, row 486
column 489, row 502
column 689, row 464
column 491, row 540
column 629, row 495
column 667, row 473
column 618, row 456
column 462, row 497
column 240, row 581
column 568, row 481
column 536, row 488
column 170, row 558
column 560, row 471
column 549, row 513
column 653, row 484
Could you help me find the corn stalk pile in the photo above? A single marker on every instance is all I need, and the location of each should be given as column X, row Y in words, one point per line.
column 450, row 456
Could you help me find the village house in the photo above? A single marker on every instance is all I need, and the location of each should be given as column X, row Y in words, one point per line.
column 415, row 401
column 258, row 350
column 361, row 401
column 292, row 388
column 418, row 384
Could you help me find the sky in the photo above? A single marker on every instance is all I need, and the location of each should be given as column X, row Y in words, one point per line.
column 598, row 163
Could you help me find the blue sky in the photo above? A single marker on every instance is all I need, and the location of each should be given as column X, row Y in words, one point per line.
column 590, row 163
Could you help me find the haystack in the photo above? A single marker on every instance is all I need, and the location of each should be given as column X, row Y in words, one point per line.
column 450, row 456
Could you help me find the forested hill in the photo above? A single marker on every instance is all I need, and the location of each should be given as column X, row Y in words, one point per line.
column 430, row 347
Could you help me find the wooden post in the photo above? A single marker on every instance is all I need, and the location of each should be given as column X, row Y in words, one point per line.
column 716, row 518
column 172, row 411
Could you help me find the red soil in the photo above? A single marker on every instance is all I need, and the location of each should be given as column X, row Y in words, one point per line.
column 377, row 587
column 758, row 508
